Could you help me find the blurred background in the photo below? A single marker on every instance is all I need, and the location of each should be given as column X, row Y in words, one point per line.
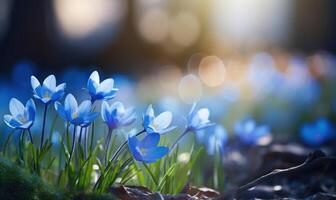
column 270, row 60
column 137, row 36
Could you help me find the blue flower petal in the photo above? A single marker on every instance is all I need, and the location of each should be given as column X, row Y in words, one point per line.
column 84, row 107
column 91, row 117
column 132, row 144
column 57, row 95
column 31, row 109
column 150, row 140
column 61, row 111
column 153, row 154
column 11, row 122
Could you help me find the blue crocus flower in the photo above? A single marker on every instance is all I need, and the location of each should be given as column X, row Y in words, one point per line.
column 147, row 150
column 116, row 115
column 250, row 133
column 198, row 119
column 100, row 91
column 21, row 117
column 48, row 92
column 157, row 124
column 77, row 115
column 317, row 133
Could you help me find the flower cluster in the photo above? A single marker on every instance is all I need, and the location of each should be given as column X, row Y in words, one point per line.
column 114, row 116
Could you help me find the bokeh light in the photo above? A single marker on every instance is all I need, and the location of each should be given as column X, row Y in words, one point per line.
column 212, row 71
column 184, row 29
column 82, row 19
column 251, row 23
column 169, row 77
column 190, row 88
column 153, row 25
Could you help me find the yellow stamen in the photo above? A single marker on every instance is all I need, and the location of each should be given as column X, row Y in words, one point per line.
column 74, row 115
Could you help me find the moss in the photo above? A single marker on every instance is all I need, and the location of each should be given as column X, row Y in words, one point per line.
column 15, row 183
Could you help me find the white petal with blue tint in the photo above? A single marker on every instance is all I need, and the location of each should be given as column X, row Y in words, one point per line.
column 61, row 87
column 16, row 107
column 84, row 107
column 150, row 111
column 50, row 82
column 203, row 114
column 163, row 120
column 70, row 103
column 94, row 77
column 106, row 85
column 34, row 82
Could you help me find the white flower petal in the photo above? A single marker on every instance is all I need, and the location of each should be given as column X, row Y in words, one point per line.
column 163, row 120
column 95, row 77
column 50, row 82
column 16, row 107
column 34, row 82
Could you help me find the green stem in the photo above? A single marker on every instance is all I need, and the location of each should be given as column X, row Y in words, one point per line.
column 80, row 136
column 20, row 145
column 151, row 174
column 92, row 137
column 43, row 125
column 31, row 137
column 107, row 145
column 122, row 147
column 114, row 157
column 178, row 139
column 73, row 143
column 85, row 142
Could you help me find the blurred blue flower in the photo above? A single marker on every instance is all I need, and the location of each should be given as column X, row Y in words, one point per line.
column 263, row 75
column 21, row 117
column 116, row 115
column 75, row 85
column 159, row 124
column 22, row 71
column 100, row 91
column 147, row 150
column 316, row 133
column 48, row 92
column 250, row 133
column 217, row 140
column 198, row 119
column 77, row 115
column 299, row 83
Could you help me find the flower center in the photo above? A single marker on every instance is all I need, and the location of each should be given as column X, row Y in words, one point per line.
column 143, row 151
column 22, row 119
column 154, row 126
column 46, row 95
column 75, row 115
